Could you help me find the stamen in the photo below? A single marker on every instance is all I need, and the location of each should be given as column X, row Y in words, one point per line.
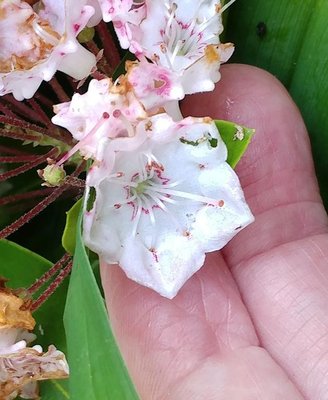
column 226, row 6
column 186, row 195
column 176, row 50
column 204, row 25
column 43, row 34
column 167, row 185
column 171, row 18
column 82, row 142
column 137, row 217
column 149, row 208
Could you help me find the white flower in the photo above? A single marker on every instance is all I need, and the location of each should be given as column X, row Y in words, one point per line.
column 126, row 16
column 153, row 85
column 167, row 203
column 36, row 42
column 183, row 36
column 105, row 111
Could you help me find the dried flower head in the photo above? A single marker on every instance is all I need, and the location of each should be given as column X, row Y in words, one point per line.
column 37, row 41
column 21, row 366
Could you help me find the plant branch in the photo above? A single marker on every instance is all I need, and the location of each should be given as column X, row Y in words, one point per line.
column 26, row 167
column 49, row 274
column 52, row 287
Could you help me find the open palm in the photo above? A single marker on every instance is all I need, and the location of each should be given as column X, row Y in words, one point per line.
column 253, row 322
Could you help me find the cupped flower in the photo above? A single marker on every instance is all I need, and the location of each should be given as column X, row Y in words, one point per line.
column 105, row 111
column 36, row 42
column 154, row 86
column 167, row 203
column 183, row 36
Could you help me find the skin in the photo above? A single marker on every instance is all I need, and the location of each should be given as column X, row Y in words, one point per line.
column 253, row 322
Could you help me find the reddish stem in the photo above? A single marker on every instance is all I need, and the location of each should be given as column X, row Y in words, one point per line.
column 16, row 159
column 36, row 107
column 23, row 109
column 26, row 167
column 18, row 135
column 18, row 123
column 112, row 54
column 103, row 63
column 49, row 274
column 6, row 110
column 15, row 198
column 52, row 287
column 11, row 150
column 44, row 100
column 58, row 89
column 8, row 230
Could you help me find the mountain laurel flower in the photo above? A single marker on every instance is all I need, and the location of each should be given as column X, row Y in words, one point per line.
column 165, row 204
column 105, row 111
column 183, row 37
column 153, row 85
column 126, row 16
column 36, row 42
column 21, row 366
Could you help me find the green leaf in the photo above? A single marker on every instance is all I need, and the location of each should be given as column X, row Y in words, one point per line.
column 22, row 267
column 97, row 369
column 69, row 235
column 290, row 40
column 236, row 138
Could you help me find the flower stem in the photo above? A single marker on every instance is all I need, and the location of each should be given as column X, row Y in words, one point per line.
column 112, row 54
column 17, row 159
column 54, row 133
column 52, row 287
column 18, row 135
column 12, row 150
column 6, row 110
column 36, row 107
column 19, row 107
column 26, row 167
column 49, row 274
column 15, row 198
column 8, row 230
column 58, row 89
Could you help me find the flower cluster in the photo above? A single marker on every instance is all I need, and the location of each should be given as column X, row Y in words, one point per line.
column 164, row 194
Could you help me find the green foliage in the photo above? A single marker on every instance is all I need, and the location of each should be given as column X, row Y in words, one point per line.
column 97, row 369
column 290, row 39
column 69, row 235
column 236, row 138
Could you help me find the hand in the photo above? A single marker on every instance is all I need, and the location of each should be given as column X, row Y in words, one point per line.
column 253, row 322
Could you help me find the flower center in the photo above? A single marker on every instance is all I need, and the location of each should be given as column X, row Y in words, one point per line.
column 141, row 188
column 187, row 39
column 149, row 189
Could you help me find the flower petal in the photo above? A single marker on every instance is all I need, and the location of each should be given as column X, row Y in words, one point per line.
column 166, row 203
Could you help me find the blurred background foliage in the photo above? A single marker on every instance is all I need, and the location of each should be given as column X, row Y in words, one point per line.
column 290, row 40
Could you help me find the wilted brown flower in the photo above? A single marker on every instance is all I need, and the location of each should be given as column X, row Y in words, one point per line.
column 21, row 366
